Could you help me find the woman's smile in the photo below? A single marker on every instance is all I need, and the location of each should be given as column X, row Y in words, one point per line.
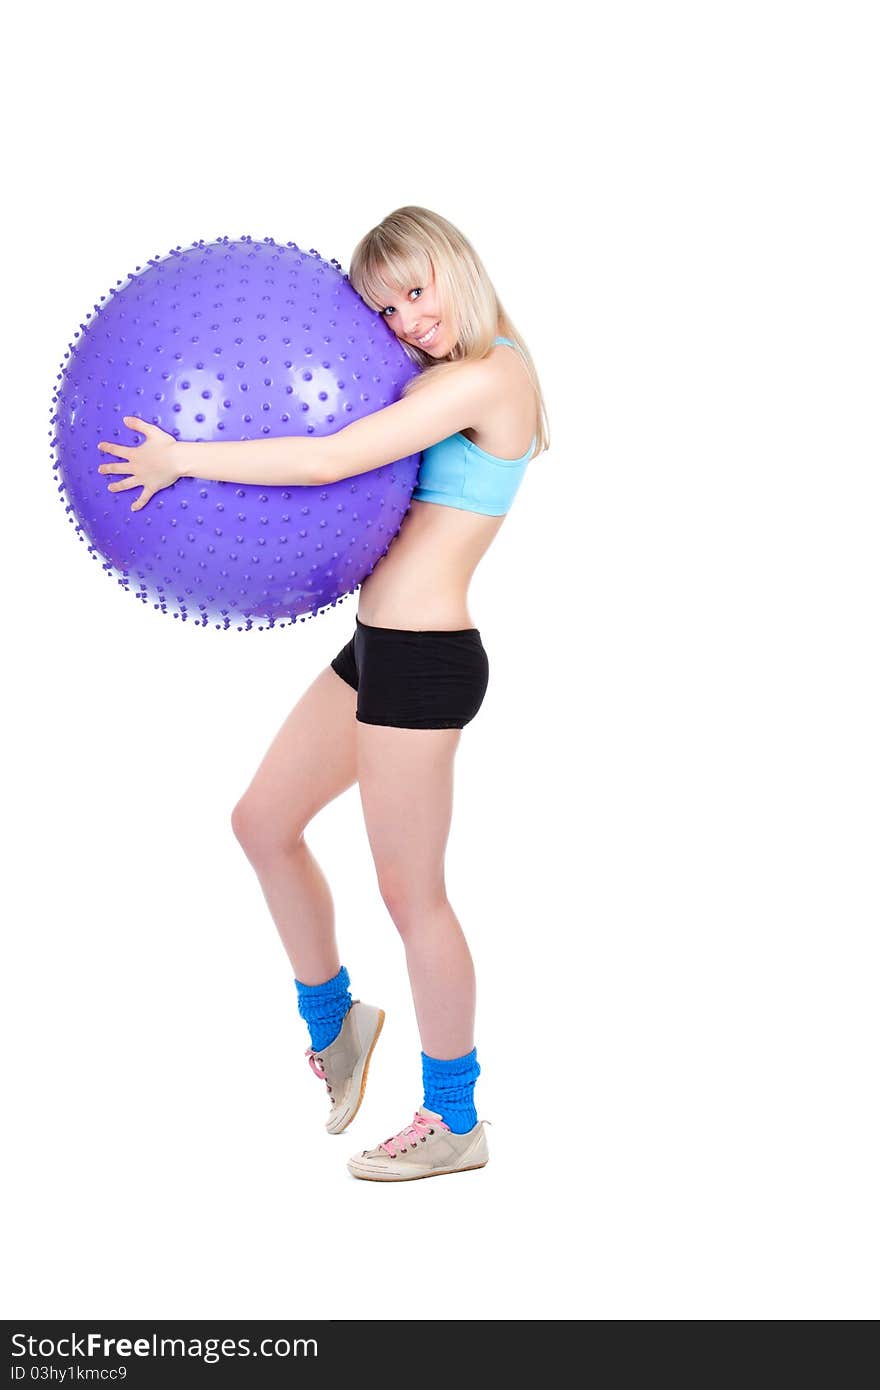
column 429, row 336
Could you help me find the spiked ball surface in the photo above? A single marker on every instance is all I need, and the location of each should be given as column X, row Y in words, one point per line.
column 231, row 339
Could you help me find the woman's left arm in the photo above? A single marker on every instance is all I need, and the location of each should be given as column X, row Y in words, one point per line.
column 162, row 459
column 454, row 402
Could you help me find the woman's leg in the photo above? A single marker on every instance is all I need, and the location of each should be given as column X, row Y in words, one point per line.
column 310, row 762
column 405, row 780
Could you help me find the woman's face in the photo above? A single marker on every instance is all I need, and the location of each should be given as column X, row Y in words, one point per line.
column 415, row 316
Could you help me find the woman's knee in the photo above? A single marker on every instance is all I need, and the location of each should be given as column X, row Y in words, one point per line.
column 408, row 899
column 259, row 830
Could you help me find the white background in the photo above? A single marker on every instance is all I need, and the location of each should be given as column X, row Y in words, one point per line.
column 665, row 835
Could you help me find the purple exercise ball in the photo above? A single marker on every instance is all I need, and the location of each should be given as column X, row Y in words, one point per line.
column 231, row 339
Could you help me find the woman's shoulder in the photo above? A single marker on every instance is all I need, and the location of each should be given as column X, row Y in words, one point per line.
column 505, row 357
column 507, row 414
column 506, row 365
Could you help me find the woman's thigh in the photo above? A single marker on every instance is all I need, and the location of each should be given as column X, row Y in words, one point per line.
column 405, row 777
column 310, row 761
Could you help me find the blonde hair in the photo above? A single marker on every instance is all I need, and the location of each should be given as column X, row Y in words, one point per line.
column 399, row 254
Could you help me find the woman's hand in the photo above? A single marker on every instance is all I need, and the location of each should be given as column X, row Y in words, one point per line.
column 152, row 464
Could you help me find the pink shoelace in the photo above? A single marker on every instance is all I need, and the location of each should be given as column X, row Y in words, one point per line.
column 418, row 1131
column 317, row 1065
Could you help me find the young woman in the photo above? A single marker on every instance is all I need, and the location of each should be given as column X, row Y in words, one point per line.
column 389, row 709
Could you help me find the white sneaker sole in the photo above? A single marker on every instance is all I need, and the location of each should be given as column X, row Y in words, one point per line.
column 373, row 1176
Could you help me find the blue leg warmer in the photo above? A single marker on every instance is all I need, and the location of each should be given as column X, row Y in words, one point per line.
column 324, row 1007
column 449, row 1089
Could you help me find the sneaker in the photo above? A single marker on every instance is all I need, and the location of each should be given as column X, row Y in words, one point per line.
column 344, row 1063
column 425, row 1149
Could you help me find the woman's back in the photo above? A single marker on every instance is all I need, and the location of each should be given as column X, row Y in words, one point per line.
column 422, row 582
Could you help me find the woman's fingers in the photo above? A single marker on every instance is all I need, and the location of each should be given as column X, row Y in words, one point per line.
column 130, row 483
column 137, row 424
column 120, row 451
column 144, row 463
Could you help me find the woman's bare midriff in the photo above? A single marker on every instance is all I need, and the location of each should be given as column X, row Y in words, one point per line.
column 422, row 581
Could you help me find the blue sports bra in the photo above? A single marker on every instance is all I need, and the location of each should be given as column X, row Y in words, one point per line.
column 458, row 473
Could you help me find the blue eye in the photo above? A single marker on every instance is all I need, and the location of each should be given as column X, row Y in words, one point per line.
column 389, row 308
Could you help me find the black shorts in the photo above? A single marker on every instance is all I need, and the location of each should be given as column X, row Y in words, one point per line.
column 415, row 679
